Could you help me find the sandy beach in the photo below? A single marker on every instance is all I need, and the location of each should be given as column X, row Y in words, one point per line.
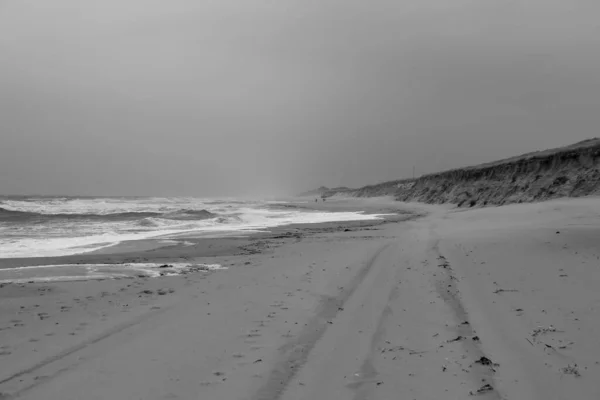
column 432, row 303
column 299, row 200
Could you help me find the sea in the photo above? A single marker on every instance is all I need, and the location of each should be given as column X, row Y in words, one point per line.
column 50, row 226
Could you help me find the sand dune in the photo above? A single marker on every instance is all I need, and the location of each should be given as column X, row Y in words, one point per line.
column 568, row 171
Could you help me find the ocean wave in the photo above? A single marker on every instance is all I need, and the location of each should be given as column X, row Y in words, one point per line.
column 184, row 214
column 217, row 202
column 48, row 227
column 99, row 206
column 163, row 223
column 188, row 220
column 189, row 215
column 228, row 219
column 14, row 215
column 11, row 215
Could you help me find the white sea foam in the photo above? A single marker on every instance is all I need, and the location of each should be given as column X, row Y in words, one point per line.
column 83, row 272
column 67, row 237
column 41, row 279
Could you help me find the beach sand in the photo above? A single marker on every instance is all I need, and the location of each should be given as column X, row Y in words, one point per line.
column 433, row 303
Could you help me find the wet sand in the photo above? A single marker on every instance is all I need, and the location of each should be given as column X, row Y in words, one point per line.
column 437, row 304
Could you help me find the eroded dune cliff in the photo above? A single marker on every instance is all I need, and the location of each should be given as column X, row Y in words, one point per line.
column 570, row 171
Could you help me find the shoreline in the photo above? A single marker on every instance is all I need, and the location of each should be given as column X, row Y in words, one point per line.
column 40, row 318
column 192, row 246
column 492, row 303
column 66, row 228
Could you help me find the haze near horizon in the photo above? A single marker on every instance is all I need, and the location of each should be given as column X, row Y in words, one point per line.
column 231, row 97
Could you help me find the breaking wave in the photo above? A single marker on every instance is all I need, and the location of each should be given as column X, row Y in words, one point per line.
column 57, row 226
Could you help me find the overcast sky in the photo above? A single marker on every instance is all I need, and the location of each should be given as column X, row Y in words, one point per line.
column 227, row 97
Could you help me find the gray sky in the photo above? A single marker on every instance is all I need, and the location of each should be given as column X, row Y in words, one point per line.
column 226, row 97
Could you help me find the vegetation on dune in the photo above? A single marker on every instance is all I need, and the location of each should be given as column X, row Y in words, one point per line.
column 570, row 171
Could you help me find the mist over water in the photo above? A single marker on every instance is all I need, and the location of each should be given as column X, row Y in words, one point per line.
column 242, row 97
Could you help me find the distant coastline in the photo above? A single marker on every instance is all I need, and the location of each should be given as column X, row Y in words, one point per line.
column 569, row 171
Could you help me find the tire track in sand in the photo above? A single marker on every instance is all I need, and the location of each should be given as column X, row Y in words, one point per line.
column 293, row 354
